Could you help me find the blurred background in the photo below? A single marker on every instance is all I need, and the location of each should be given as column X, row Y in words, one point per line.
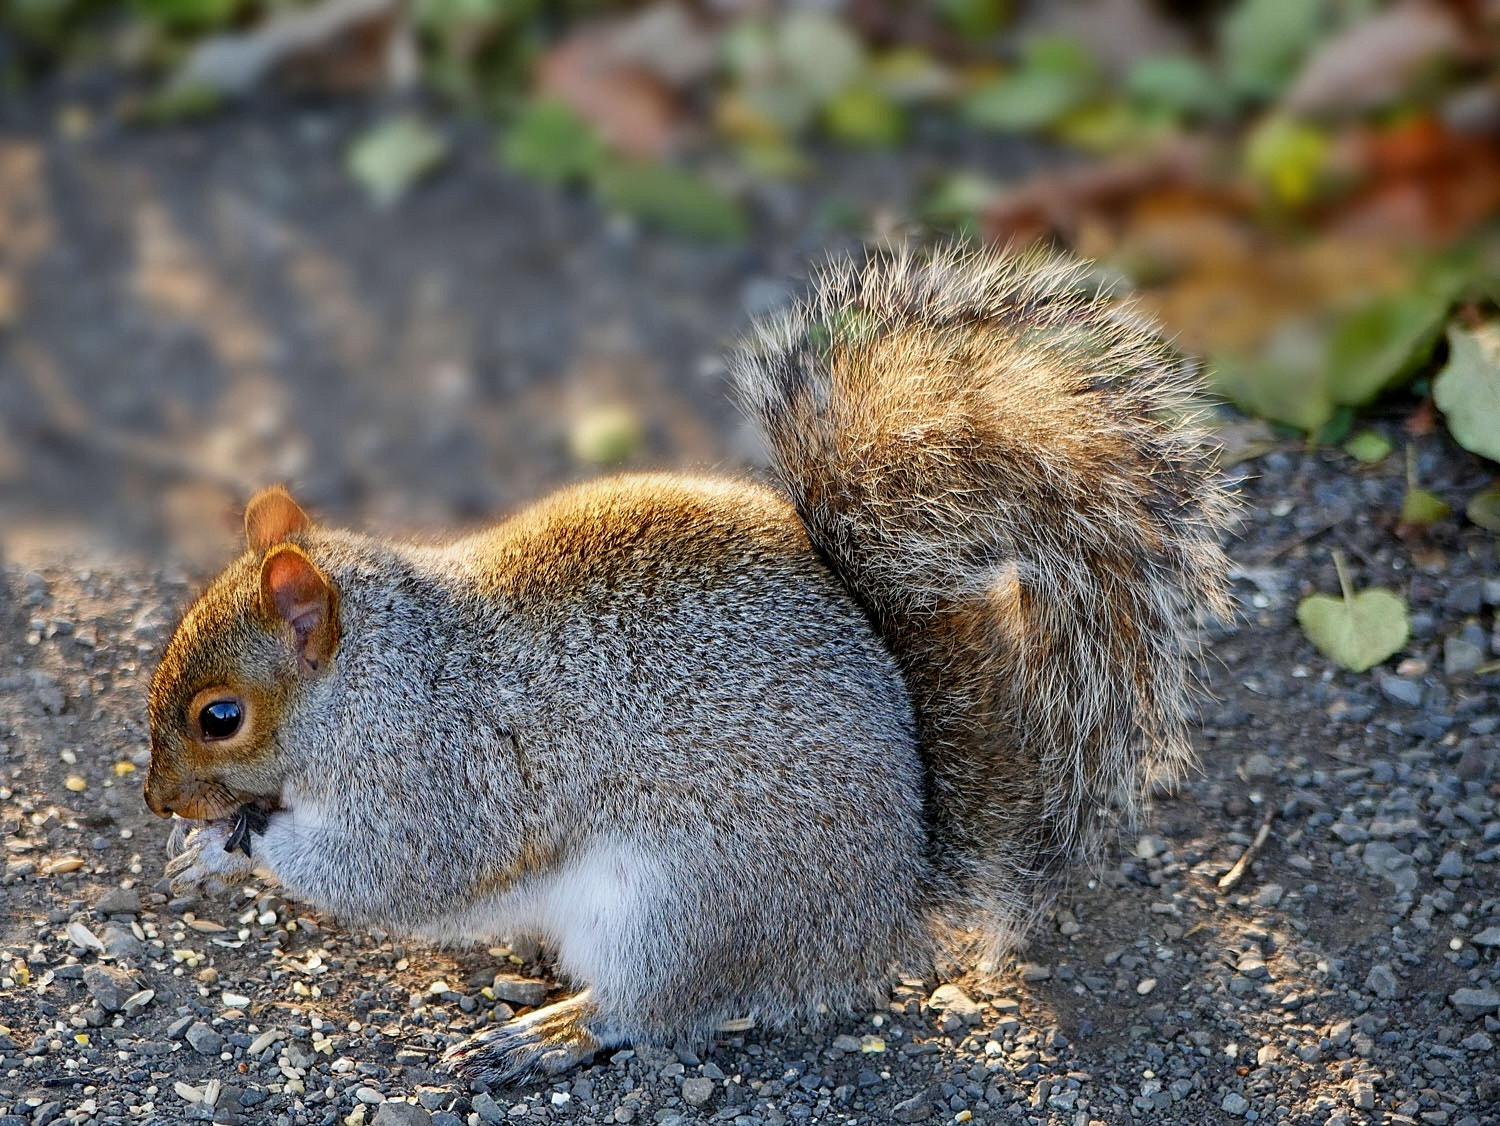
column 425, row 260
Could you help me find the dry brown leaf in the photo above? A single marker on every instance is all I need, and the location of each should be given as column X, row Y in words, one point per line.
column 1425, row 183
column 631, row 108
column 1372, row 63
column 336, row 46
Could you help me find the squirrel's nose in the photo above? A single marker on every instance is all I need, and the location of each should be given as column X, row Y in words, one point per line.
column 161, row 796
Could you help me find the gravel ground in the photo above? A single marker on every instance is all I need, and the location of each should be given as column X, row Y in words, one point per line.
column 202, row 311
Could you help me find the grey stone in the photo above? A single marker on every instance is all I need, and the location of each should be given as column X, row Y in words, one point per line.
column 1259, row 767
column 697, row 1090
column 1382, row 982
column 110, row 986
column 401, row 1114
column 1465, row 596
column 1385, row 859
column 1400, row 690
column 119, row 901
column 487, row 1108
column 918, row 1108
column 120, row 942
column 1474, row 1002
column 955, row 1002
column 1270, row 895
column 519, row 990
column 1253, row 966
column 204, row 1040
column 1451, row 867
column 1490, row 936
column 1235, row 1103
column 1461, row 656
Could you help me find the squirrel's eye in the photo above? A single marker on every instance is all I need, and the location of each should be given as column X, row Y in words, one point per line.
column 221, row 719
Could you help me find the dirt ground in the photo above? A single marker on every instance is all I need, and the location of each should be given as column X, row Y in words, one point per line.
column 186, row 315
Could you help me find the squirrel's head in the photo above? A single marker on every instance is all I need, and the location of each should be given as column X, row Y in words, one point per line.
column 261, row 630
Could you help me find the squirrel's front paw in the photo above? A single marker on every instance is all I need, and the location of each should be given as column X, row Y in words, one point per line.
column 205, row 864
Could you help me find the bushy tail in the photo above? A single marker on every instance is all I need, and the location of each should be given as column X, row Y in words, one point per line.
column 1004, row 473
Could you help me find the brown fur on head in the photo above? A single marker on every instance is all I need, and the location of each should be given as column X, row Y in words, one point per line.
column 228, row 673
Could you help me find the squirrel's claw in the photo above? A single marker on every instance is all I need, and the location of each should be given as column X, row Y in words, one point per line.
column 541, row 1044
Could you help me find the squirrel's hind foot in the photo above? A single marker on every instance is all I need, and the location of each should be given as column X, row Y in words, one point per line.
column 543, row 1043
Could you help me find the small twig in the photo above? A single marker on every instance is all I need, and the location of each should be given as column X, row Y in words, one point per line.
column 1230, row 878
column 1293, row 543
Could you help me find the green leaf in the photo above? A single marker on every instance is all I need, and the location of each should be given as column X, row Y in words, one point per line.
column 1285, row 384
column 552, row 143
column 1357, row 631
column 1369, row 446
column 1262, row 42
column 1484, row 508
column 1467, row 390
column 605, row 435
column 1024, row 101
column 1419, row 508
column 862, row 115
column 1287, row 157
column 394, row 155
column 1177, row 85
column 959, row 198
column 819, row 53
column 1381, row 344
column 188, row 102
column 974, row 19
column 1337, row 428
column 673, row 199
column 189, row 15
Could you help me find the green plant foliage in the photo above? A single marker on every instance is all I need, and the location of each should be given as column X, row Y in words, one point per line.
column 605, row 436
column 1275, row 391
column 671, row 198
column 818, row 53
column 862, row 115
column 974, row 19
column 1484, row 508
column 1419, row 508
column 1381, row 344
column 1368, row 446
column 1467, row 390
column 190, row 15
column 549, row 141
column 1287, row 157
column 391, row 157
column 177, row 104
column 1262, row 42
column 1055, row 77
column 1176, row 86
column 958, row 200
column 1356, row 631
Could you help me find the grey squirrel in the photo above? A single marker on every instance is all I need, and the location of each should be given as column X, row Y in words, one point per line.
column 731, row 750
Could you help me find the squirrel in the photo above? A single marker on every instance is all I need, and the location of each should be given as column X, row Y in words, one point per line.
column 736, row 750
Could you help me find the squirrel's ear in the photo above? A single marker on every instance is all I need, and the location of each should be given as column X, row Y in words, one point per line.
column 293, row 590
column 271, row 516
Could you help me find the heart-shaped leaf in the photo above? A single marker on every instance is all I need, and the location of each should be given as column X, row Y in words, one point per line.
column 1357, row 631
